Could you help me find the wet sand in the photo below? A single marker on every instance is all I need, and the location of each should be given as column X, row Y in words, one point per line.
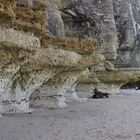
column 116, row 118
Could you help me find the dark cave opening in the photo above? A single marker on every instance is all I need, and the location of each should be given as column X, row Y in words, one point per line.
column 131, row 85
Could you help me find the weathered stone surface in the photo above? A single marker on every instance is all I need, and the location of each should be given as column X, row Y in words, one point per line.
column 11, row 37
column 55, row 22
column 25, row 3
column 81, row 46
column 87, row 19
column 108, row 81
column 61, row 88
column 7, row 11
column 27, row 62
column 127, row 23
column 108, row 66
column 37, row 61
column 114, row 24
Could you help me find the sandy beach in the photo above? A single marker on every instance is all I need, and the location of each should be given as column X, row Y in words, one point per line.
column 116, row 118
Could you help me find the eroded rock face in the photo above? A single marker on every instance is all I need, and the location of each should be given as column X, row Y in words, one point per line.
column 37, row 61
column 93, row 20
column 11, row 37
column 126, row 14
column 60, row 88
column 24, row 68
column 106, row 81
column 114, row 24
column 55, row 22
column 26, row 64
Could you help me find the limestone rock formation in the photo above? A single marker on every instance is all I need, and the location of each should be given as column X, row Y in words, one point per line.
column 114, row 24
column 126, row 15
column 92, row 20
column 107, row 81
column 30, row 59
column 50, row 50
column 54, row 18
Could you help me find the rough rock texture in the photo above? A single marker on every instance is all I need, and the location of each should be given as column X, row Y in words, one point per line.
column 126, row 15
column 52, row 52
column 106, row 81
column 55, row 22
column 92, row 20
column 30, row 59
column 114, row 24
column 58, row 88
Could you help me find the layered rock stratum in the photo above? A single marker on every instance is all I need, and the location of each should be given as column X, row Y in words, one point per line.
column 51, row 50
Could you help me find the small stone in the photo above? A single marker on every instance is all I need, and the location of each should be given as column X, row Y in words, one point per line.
column 108, row 66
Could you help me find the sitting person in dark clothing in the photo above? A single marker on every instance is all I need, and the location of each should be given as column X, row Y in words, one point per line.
column 99, row 94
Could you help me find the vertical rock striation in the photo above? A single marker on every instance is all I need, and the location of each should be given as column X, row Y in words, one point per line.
column 126, row 14
column 49, row 52
column 92, row 19
column 114, row 24
column 55, row 22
